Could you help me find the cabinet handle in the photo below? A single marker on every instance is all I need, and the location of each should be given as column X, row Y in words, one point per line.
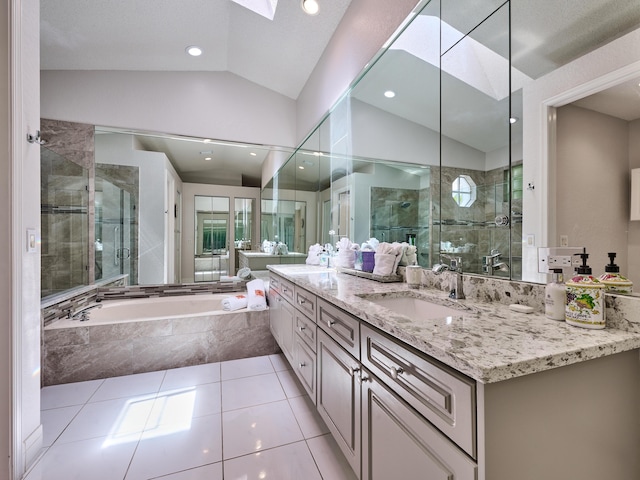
column 330, row 323
column 353, row 370
column 395, row 371
column 302, row 364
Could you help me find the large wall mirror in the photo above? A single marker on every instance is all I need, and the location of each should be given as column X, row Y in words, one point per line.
column 432, row 145
column 422, row 149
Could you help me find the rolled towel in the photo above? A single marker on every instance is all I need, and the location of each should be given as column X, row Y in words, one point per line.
column 384, row 263
column 257, row 296
column 226, row 278
column 231, row 304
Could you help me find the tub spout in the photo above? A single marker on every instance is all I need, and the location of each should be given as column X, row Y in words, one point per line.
column 83, row 313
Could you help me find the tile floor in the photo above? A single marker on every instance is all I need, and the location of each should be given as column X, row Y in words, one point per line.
column 238, row 420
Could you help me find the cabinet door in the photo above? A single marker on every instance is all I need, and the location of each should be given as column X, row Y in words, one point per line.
column 274, row 313
column 286, row 320
column 281, row 317
column 305, row 366
column 338, row 397
column 399, row 443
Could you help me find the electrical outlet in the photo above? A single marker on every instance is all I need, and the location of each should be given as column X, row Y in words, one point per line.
column 559, row 261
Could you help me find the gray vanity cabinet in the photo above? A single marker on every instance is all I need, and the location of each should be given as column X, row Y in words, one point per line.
column 441, row 395
column 281, row 319
column 293, row 325
column 399, row 443
column 339, row 396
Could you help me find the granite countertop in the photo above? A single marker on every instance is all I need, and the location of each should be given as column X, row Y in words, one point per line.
column 486, row 341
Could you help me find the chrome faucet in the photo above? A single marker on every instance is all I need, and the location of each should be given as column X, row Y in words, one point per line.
column 455, row 267
column 491, row 263
column 83, row 313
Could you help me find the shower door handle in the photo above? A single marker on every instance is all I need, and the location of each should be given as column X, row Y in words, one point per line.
column 116, row 245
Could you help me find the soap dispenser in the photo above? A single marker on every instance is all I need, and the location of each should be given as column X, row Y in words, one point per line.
column 612, row 280
column 555, row 296
column 585, row 298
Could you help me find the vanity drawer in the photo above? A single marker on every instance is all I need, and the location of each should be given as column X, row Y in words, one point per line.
column 306, row 330
column 340, row 326
column 444, row 397
column 305, row 366
column 306, row 302
column 282, row 286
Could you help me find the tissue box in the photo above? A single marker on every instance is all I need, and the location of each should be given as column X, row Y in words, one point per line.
column 368, row 261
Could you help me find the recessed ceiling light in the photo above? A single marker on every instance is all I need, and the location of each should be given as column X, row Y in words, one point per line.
column 310, row 7
column 300, row 167
column 389, row 94
column 194, row 51
column 253, row 154
column 513, row 120
column 207, row 158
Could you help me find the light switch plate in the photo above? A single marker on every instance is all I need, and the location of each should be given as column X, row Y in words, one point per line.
column 32, row 240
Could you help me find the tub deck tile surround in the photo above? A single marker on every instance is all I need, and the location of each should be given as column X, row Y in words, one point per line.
column 487, row 341
column 88, row 352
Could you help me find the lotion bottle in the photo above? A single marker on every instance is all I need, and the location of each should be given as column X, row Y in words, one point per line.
column 585, row 298
column 613, row 281
column 555, row 296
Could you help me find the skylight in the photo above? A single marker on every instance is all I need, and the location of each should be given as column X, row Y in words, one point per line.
column 474, row 63
column 266, row 8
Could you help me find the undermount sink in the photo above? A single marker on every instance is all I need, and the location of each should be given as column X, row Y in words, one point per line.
column 415, row 308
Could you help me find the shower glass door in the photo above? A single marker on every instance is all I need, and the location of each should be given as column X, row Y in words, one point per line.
column 115, row 220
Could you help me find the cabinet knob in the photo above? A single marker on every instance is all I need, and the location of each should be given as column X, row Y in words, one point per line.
column 301, row 328
column 302, row 364
column 330, row 323
column 301, row 301
column 353, row 370
column 363, row 377
column 395, row 371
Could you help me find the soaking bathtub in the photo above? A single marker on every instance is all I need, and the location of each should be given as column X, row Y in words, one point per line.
column 124, row 337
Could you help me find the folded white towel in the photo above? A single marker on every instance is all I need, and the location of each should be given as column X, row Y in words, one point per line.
column 313, row 257
column 232, row 304
column 257, row 295
column 345, row 259
column 384, row 264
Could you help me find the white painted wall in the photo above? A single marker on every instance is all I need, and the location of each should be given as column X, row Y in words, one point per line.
column 6, row 245
column 217, row 105
column 152, row 206
column 189, row 192
column 21, row 440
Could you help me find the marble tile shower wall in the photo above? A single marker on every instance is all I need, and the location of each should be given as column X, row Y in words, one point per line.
column 67, row 176
column 471, row 230
column 394, row 213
